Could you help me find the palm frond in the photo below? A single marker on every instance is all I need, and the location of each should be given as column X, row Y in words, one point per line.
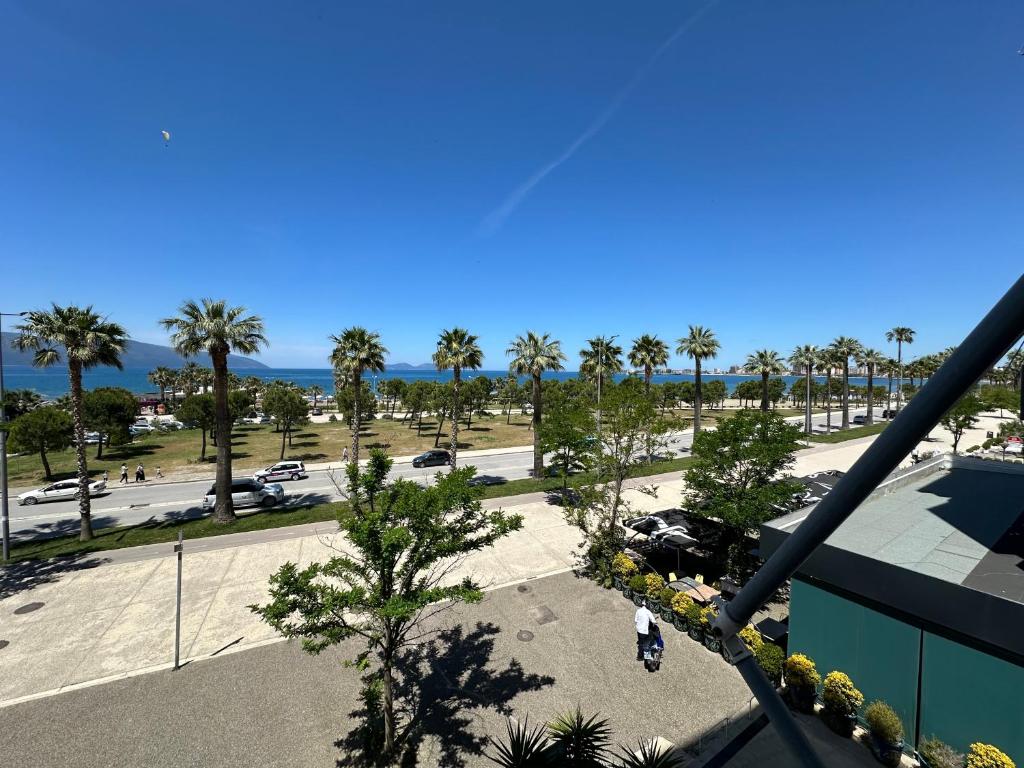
column 649, row 755
column 524, row 747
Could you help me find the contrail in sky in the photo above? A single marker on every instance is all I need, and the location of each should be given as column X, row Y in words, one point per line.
column 493, row 221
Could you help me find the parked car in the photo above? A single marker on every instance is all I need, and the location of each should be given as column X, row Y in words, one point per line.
column 92, row 438
column 59, row 491
column 259, row 418
column 283, row 470
column 889, row 413
column 432, row 459
column 169, row 425
column 141, row 429
column 860, row 420
column 247, row 492
column 317, row 412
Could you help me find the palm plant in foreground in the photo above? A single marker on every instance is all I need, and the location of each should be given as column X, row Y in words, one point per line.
column 217, row 329
column 356, row 350
column 846, row 347
column 648, row 352
column 457, row 349
column 765, row 363
column 88, row 340
column 873, row 360
column 533, row 354
column 901, row 334
column 699, row 344
column 804, row 357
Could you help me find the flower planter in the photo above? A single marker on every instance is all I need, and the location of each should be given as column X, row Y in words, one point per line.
column 801, row 699
column 696, row 632
column 618, row 583
column 667, row 614
column 886, row 753
column 679, row 622
column 653, row 604
column 639, row 599
column 711, row 642
column 841, row 723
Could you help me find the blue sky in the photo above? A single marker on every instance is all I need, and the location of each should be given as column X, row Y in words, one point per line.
column 782, row 172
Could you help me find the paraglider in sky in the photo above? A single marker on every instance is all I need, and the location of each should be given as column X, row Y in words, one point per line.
column 167, row 136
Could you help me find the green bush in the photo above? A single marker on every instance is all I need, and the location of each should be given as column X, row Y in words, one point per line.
column 693, row 614
column 883, row 722
column 751, row 637
column 939, row 754
column 637, row 584
column 771, row 658
column 666, row 596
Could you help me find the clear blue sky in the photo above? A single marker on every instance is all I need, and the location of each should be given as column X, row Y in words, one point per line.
column 783, row 172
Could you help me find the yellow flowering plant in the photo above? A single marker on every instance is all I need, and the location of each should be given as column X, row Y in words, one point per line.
column 623, row 566
column 800, row 672
column 987, row 756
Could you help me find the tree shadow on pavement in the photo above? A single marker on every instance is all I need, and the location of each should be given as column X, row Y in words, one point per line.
column 444, row 686
column 26, row 575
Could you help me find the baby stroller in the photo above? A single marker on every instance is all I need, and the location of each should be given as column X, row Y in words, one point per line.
column 655, row 648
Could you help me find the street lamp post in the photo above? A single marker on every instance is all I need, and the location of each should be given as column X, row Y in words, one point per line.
column 600, row 375
column 5, row 519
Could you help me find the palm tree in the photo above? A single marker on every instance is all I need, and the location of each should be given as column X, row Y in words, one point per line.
column 217, row 329
column 765, row 362
column 316, row 391
column 891, row 367
column 871, row 359
column 805, row 357
column 533, row 354
column 826, row 363
column 88, row 340
column 356, row 350
column 700, row 344
column 163, row 378
column 901, row 335
column 648, row 352
column 846, row 347
column 457, row 349
column 601, row 357
column 189, row 377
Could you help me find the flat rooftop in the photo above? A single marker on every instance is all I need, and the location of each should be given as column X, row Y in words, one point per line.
column 950, row 524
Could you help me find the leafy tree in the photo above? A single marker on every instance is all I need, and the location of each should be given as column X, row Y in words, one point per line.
column 19, row 401
column 317, row 392
column 416, row 401
column 648, row 352
column 999, row 398
column 532, row 355
column 347, row 402
column 201, row 411
column 901, row 335
column 403, row 542
column 961, row 417
column 747, row 391
column 805, row 357
column 776, row 391
column 509, row 392
column 87, row 340
column 188, row 378
column 441, row 405
column 393, row 391
column 734, row 475
column 289, row 408
column 217, row 329
column 457, row 349
column 766, row 363
column 356, row 351
column 827, row 362
column 240, row 403
column 700, row 344
column 846, row 347
column 41, row 431
column 255, row 386
column 715, row 391
column 163, row 377
column 567, row 432
column 109, row 411
column 873, row 360
column 478, row 395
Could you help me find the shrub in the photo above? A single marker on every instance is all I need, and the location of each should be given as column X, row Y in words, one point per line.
column 637, row 583
column 800, row 672
column 939, row 754
column 707, row 614
column 681, row 604
column 840, row 695
column 623, row 566
column 332, row 417
column 770, row 657
column 693, row 613
column 666, row 596
column 987, row 756
column 884, row 723
column 653, row 584
column 751, row 637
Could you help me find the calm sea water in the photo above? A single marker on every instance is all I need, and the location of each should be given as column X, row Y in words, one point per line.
column 53, row 382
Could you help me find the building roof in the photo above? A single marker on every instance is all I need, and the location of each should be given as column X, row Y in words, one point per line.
column 943, row 542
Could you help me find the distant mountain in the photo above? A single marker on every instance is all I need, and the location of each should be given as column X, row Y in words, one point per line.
column 409, row 367
column 137, row 354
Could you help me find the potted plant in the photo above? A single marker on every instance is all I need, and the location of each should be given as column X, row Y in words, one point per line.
column 935, row 753
column 802, row 681
column 751, row 637
column 886, row 730
column 771, row 659
column 711, row 641
column 842, row 700
column 987, row 756
column 680, row 611
column 654, row 584
column 623, row 569
column 636, row 586
column 696, row 630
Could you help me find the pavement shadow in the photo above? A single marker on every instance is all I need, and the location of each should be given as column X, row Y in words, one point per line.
column 26, row 575
column 69, row 526
column 443, row 686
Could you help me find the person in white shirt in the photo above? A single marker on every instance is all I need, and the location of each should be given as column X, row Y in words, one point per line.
column 643, row 619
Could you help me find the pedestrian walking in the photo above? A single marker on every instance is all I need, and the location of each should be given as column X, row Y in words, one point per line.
column 643, row 619
column 344, row 455
column 106, row 476
column 158, row 472
column 124, row 474
column 140, row 474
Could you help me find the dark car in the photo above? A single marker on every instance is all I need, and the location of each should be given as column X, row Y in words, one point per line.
column 860, row 420
column 432, row 459
column 888, row 414
column 317, row 412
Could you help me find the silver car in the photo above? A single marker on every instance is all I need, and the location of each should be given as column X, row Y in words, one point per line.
column 59, row 491
column 247, row 492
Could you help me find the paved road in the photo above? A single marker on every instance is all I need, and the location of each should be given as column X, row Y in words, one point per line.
column 134, row 504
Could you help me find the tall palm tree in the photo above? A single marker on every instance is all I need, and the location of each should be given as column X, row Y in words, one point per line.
column 873, row 360
column 804, row 357
column 356, row 350
column 162, row 377
column 217, row 329
column 189, row 377
column 600, row 358
column 316, row 391
column 648, row 352
column 457, row 349
column 765, row 362
column 891, row 367
column 699, row 344
column 88, row 340
column 533, row 354
column 846, row 347
column 901, row 335
column 826, row 363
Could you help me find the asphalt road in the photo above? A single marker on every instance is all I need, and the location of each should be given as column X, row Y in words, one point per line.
column 134, row 504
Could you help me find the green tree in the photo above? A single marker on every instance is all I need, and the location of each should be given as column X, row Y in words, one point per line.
column 188, row 378
column 567, row 432
column 873, row 360
column 20, row 401
column 289, row 407
column 961, row 417
column 509, row 392
column 441, row 405
column 416, row 400
column 457, row 349
column 827, row 362
column 735, row 473
column 402, row 542
column 40, row 431
column 901, row 334
column 804, row 357
column 317, row 392
column 600, row 360
column 846, row 347
column 201, row 411
column 87, row 340
column 217, row 329
column 356, row 351
column 998, row 398
column 478, row 396
column 715, row 391
column 109, row 411
column 393, row 391
column 347, row 403
column 776, row 391
column 162, row 377
column 766, row 363
column 648, row 352
column 700, row 344
column 532, row 355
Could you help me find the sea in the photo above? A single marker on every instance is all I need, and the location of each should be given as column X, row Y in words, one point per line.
column 53, row 382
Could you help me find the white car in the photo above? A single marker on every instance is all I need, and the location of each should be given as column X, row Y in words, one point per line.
column 283, row 470
column 259, row 418
column 246, row 492
column 59, row 491
column 141, row 429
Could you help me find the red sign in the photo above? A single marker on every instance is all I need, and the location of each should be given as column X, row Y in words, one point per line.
column 1015, row 439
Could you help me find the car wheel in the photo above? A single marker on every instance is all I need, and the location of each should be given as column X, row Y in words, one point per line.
column 30, row 500
column 295, row 476
column 268, row 501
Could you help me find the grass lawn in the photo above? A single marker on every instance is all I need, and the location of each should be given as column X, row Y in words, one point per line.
column 849, row 434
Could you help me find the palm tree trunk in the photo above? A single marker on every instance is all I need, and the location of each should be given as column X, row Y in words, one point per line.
column 456, row 381
column 871, row 396
column 828, row 401
column 357, row 416
column 202, row 455
column 647, row 379
column 899, row 382
column 846, row 394
column 84, row 505
column 223, row 510
column 440, row 424
column 46, row 463
column 808, row 427
column 538, row 455
column 764, row 392
column 697, row 396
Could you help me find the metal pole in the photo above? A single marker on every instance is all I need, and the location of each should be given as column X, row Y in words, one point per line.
column 5, row 522
column 177, row 605
column 987, row 343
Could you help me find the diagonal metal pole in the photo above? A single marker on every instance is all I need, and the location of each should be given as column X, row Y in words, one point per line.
column 985, row 345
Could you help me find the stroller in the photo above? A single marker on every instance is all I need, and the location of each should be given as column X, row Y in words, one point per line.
column 655, row 648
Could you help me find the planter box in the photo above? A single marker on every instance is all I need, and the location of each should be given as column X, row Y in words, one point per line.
column 696, row 632
column 653, row 605
column 680, row 622
column 667, row 614
column 801, row 699
column 627, row 592
column 618, row 583
column 886, row 754
column 639, row 599
column 840, row 722
column 711, row 642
